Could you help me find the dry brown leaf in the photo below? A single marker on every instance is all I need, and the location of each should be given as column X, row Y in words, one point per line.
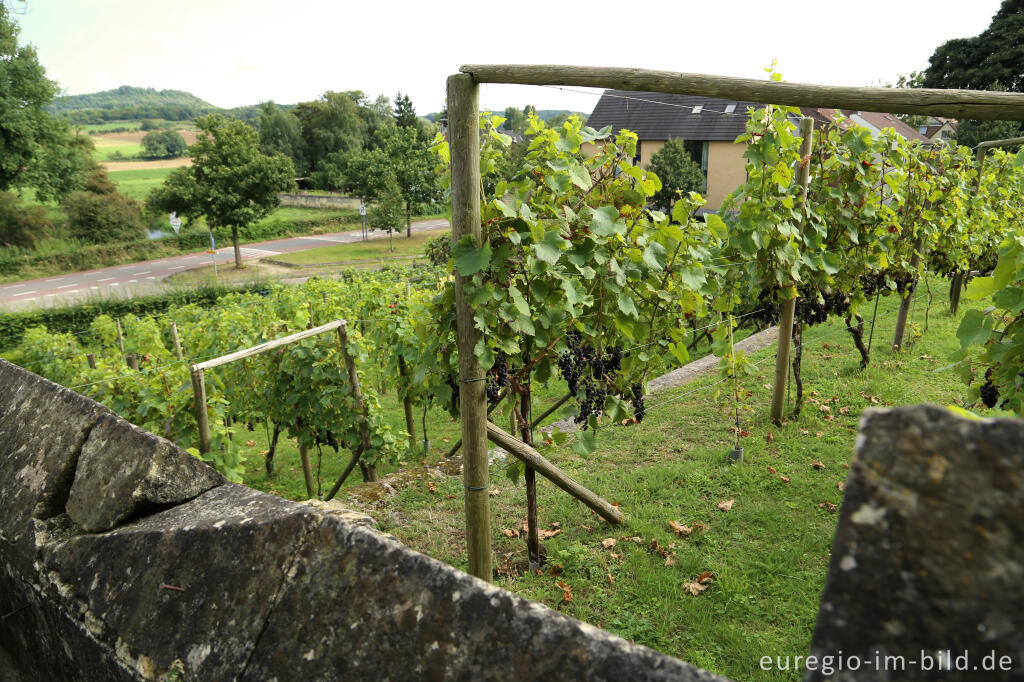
column 699, row 525
column 250, row 443
column 772, row 471
column 770, row 437
column 828, row 506
column 804, row 431
column 766, row 385
column 555, row 524
column 449, row 497
column 819, row 434
column 510, row 533
column 828, row 417
column 784, row 479
column 818, row 464
column 826, row 409
column 841, row 485
column 548, row 534
column 726, row 505
column 566, row 592
column 611, row 579
column 844, row 410
column 431, row 487
column 657, row 548
column 670, row 560
column 814, row 393
column 846, row 466
column 705, row 578
column 680, row 528
column 613, row 555
column 495, row 492
column 608, row 543
column 636, row 538
column 694, row 588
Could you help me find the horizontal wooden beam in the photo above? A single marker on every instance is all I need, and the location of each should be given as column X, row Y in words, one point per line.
column 988, row 144
column 545, row 468
column 980, row 104
column 269, row 345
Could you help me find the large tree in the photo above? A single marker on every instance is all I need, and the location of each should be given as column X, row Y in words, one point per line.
column 405, row 112
column 230, row 182
column 991, row 60
column 36, row 149
column 280, row 131
column 677, row 171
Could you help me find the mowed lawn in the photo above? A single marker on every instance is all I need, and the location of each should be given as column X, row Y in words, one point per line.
column 136, row 184
column 378, row 248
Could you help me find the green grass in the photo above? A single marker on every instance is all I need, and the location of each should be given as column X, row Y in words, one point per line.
column 136, row 184
column 128, row 152
column 375, row 249
column 769, row 554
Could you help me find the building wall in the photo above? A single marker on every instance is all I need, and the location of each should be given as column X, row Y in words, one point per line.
column 648, row 148
column 727, row 170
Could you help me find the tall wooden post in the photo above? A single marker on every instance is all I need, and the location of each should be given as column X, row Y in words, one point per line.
column 464, row 135
column 369, row 470
column 133, row 361
column 120, row 336
column 91, row 358
column 803, row 177
column 307, row 471
column 199, row 390
column 177, row 343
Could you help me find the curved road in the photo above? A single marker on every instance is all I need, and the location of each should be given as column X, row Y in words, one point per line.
column 147, row 277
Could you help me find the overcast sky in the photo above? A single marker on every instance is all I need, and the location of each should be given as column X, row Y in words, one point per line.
column 234, row 52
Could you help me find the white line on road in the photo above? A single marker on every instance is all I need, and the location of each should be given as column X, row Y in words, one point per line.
column 177, row 267
column 144, row 272
column 26, row 292
column 12, row 286
column 57, row 279
column 133, row 280
column 73, row 291
column 115, row 284
column 94, row 287
column 126, row 267
column 151, row 277
column 105, row 279
column 65, row 286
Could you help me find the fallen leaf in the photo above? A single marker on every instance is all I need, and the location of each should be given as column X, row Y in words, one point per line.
column 784, row 479
column 629, row 420
column 818, row 464
column 694, row 588
column 844, row 410
column 555, row 524
column 548, row 534
column 250, row 443
column 828, row 418
column 705, row 578
column 444, row 440
column 431, row 487
column 772, row 471
column 613, row 555
column 636, row 538
column 766, row 385
column 698, row 525
column 770, row 437
column 657, row 548
column 814, row 393
column 510, row 533
column 670, row 560
column 495, row 492
column 726, row 505
column 804, row 431
column 586, row 528
column 449, row 497
column 841, row 485
column 819, row 434
column 608, row 543
column 680, row 528
column 566, row 592
column 611, row 579
column 828, row 506
column 846, row 466
column 826, row 409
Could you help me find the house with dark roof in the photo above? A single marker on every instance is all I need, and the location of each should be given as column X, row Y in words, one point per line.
column 710, row 127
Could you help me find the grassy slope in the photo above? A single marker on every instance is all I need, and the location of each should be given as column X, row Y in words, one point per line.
column 769, row 553
column 136, row 184
column 377, row 248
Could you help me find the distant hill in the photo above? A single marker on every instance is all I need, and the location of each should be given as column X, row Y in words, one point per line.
column 128, row 96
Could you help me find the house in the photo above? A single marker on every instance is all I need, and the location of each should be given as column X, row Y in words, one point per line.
column 938, row 129
column 710, row 127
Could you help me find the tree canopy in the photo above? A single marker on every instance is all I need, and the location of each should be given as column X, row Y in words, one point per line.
column 163, row 144
column 677, row 171
column 230, row 182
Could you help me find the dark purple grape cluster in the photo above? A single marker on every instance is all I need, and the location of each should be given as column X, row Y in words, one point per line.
column 453, row 383
column 989, row 392
column 497, row 377
column 810, row 311
column 637, row 399
column 592, row 403
column 587, row 373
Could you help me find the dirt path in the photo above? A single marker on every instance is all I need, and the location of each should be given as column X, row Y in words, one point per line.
column 112, row 166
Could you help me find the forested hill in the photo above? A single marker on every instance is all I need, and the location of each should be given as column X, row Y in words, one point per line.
column 128, row 96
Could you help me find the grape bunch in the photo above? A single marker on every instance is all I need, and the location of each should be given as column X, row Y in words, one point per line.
column 810, row 312
column 453, row 383
column 497, row 377
column 587, row 373
column 592, row 404
column 637, row 400
column 989, row 392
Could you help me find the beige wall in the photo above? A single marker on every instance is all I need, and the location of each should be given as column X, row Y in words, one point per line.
column 649, row 148
column 727, row 170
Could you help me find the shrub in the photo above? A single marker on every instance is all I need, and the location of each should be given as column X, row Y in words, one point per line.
column 677, row 171
column 439, row 249
column 99, row 213
column 163, row 144
column 21, row 225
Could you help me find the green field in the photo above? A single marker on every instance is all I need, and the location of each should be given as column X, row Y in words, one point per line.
column 375, row 250
column 136, row 184
column 127, row 151
column 130, row 124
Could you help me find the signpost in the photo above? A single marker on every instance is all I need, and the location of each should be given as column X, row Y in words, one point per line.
column 213, row 254
column 362, row 217
column 175, row 222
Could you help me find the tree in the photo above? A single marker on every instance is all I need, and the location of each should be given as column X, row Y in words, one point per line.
column 163, row 144
column 405, row 112
column 21, row 225
column 280, row 131
column 329, row 125
column 677, row 171
column 230, row 182
column 515, row 120
column 36, row 149
column 991, row 60
column 388, row 213
column 99, row 213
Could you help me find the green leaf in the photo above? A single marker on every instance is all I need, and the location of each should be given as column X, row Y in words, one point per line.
column 550, row 249
column 470, row 260
column 715, row 224
column 980, row 287
column 654, row 256
column 519, row 301
column 586, row 443
column 603, row 222
column 627, row 306
column 579, row 176
column 974, row 328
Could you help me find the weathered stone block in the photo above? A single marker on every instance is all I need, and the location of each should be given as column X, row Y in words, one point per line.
column 124, row 471
column 929, row 553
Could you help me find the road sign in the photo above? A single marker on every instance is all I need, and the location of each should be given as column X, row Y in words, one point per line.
column 362, row 208
column 175, row 222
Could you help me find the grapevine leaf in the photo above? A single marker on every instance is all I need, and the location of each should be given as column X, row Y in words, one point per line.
column 654, row 256
column 586, row 443
column 627, row 306
column 469, row 259
column 579, row 176
column 604, row 221
column 550, row 249
column 974, row 328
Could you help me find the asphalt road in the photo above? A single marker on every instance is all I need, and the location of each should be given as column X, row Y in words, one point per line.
column 148, row 277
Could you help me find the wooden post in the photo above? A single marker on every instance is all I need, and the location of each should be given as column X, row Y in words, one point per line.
column 133, row 361
column 410, row 421
column 464, row 133
column 803, row 177
column 199, row 390
column 535, row 460
column 369, row 470
column 91, row 358
column 901, row 317
column 177, row 343
column 120, row 336
column 307, row 470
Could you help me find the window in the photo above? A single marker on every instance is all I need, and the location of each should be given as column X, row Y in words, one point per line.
column 698, row 151
column 698, row 108
column 729, row 108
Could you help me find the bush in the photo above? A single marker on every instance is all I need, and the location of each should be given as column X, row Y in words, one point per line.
column 439, row 249
column 99, row 213
column 163, row 144
column 677, row 171
column 21, row 225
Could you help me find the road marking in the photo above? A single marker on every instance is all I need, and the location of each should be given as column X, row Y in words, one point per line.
column 12, row 286
column 58, row 279
column 94, row 287
column 65, row 286
column 151, row 278
column 133, row 280
column 25, row 293
column 144, row 272
column 177, row 267
column 126, row 267
column 105, row 279
column 73, row 291
column 116, row 284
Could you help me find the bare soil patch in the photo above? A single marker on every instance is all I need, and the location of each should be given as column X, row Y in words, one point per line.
column 112, row 166
column 135, row 136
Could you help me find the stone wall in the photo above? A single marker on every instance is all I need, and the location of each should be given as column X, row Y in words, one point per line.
column 318, row 201
column 124, row 558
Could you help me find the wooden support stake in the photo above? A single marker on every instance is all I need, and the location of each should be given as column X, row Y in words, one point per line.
column 901, row 317
column 91, row 358
column 369, row 471
column 803, row 178
column 535, row 460
column 199, row 390
column 951, row 103
column 120, row 336
column 410, row 421
column 464, row 134
column 177, row 343
column 133, row 361
column 307, row 471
